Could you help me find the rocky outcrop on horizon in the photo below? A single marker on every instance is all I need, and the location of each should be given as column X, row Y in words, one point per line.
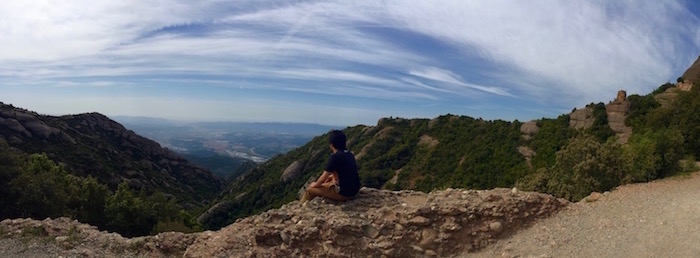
column 376, row 223
column 692, row 74
column 617, row 114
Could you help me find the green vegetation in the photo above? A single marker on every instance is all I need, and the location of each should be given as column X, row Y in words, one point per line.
column 464, row 152
column 665, row 142
column 600, row 128
column 421, row 154
column 35, row 186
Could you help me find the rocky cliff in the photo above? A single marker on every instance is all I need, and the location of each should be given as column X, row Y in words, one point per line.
column 377, row 223
column 616, row 112
column 692, row 74
column 92, row 144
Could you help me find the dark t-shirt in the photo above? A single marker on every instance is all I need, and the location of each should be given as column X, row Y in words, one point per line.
column 343, row 163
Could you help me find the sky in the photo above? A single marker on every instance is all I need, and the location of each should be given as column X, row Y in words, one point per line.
column 338, row 62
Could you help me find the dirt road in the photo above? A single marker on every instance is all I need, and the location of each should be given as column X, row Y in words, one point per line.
column 657, row 219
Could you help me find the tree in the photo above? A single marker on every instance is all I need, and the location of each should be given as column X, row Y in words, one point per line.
column 42, row 188
column 644, row 163
column 127, row 213
column 10, row 161
column 585, row 166
column 90, row 202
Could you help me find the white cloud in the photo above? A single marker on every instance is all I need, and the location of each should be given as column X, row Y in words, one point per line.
column 54, row 29
column 440, row 75
column 559, row 53
column 589, row 48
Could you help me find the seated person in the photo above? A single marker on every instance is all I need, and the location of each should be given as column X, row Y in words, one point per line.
column 339, row 181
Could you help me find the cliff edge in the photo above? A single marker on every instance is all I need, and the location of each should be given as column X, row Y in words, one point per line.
column 376, row 223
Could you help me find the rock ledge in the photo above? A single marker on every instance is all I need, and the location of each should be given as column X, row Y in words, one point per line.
column 377, row 223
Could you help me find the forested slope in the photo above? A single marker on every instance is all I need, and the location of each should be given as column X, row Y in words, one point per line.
column 465, row 152
column 91, row 168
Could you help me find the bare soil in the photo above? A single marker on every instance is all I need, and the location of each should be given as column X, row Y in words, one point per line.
column 656, row 219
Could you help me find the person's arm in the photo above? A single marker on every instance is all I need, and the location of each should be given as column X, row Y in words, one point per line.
column 321, row 179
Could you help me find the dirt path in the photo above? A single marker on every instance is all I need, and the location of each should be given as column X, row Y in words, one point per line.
column 657, row 219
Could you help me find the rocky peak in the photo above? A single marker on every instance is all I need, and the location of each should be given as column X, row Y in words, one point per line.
column 616, row 111
column 376, row 223
column 23, row 124
column 692, row 74
column 617, row 114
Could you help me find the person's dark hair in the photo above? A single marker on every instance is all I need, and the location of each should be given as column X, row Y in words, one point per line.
column 338, row 139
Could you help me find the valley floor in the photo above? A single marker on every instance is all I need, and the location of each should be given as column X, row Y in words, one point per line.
column 657, row 219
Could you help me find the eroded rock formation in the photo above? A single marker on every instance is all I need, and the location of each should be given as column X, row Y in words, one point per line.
column 617, row 114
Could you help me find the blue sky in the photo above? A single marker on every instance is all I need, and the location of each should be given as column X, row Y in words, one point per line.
column 338, row 62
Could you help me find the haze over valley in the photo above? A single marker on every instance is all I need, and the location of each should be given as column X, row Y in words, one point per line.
column 224, row 146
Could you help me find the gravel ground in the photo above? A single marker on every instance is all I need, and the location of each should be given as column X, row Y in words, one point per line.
column 28, row 248
column 657, row 219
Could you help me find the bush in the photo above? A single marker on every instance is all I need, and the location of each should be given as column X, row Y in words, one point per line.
column 585, row 166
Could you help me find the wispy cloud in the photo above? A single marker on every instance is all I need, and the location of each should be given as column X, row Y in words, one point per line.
column 550, row 54
column 440, row 75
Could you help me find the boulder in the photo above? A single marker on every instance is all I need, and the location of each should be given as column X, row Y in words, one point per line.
column 427, row 140
column 292, row 171
column 529, row 128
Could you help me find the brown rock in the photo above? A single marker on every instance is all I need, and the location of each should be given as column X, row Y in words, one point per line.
column 358, row 227
column 428, row 235
column 370, row 231
column 292, row 171
column 419, row 221
column 426, row 140
column 692, row 74
column 581, row 118
column 529, row 128
column 496, row 226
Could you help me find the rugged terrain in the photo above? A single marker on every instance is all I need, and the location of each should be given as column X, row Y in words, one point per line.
column 92, row 144
column 656, row 219
column 376, row 223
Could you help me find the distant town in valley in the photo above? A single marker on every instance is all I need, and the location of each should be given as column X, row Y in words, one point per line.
column 223, row 146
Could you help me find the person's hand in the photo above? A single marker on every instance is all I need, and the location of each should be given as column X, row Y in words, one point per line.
column 313, row 185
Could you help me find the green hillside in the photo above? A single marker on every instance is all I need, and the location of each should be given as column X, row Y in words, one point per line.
column 464, row 152
column 91, row 168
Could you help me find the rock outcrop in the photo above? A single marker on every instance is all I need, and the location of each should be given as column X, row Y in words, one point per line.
column 427, row 140
column 665, row 98
column 582, row 118
column 377, row 223
column 617, row 114
column 692, row 74
column 529, row 129
column 292, row 171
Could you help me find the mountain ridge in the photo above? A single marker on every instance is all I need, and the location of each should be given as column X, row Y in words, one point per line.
column 92, row 144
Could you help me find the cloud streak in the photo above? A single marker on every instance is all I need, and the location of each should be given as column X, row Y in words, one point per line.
column 543, row 54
